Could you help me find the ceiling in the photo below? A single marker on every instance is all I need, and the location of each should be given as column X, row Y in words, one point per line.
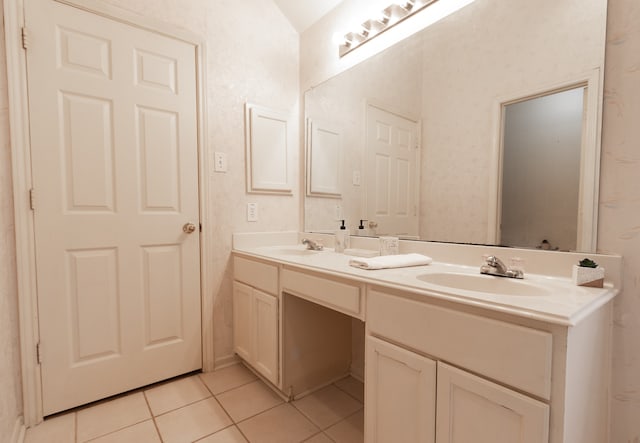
column 303, row 13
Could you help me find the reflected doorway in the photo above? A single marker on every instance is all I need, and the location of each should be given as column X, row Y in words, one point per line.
column 541, row 170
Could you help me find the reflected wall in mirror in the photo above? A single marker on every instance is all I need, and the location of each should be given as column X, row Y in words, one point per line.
column 451, row 80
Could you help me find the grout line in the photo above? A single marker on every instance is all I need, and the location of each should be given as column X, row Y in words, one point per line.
column 153, row 418
column 241, row 433
column 348, row 393
column 183, row 406
column 226, row 390
column 232, row 425
column 315, row 435
column 116, row 430
column 261, row 412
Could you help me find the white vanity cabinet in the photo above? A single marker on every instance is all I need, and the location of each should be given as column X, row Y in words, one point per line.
column 413, row 398
column 472, row 409
column 400, row 397
column 255, row 315
column 498, row 378
column 439, row 367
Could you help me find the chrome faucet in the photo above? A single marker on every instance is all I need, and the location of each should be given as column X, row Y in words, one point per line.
column 495, row 266
column 312, row 244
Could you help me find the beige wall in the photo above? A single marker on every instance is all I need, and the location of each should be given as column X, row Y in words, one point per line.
column 619, row 220
column 252, row 55
column 10, row 384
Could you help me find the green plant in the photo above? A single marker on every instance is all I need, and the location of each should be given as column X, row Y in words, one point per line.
column 588, row 263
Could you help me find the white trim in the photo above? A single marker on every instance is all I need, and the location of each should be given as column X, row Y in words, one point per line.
column 19, row 431
column 206, row 246
column 589, row 158
column 25, row 247
column 21, row 167
column 252, row 112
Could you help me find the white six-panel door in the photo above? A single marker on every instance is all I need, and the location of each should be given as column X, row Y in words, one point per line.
column 115, row 174
column 392, row 172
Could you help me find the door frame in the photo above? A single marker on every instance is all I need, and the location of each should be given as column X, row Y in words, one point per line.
column 22, row 183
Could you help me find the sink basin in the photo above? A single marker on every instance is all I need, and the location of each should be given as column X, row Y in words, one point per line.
column 485, row 283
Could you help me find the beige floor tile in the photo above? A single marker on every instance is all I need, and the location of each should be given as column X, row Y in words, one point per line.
column 319, row 438
column 227, row 435
column 61, row 429
column 144, row 432
column 176, row 394
column 111, row 416
column 228, row 378
column 350, row 430
column 282, row 424
column 248, row 400
column 327, row 406
column 353, row 387
column 192, row 422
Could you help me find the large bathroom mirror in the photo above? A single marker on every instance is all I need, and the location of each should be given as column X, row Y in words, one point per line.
column 425, row 130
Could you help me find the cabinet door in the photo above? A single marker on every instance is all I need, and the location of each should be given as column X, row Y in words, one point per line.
column 473, row 409
column 265, row 335
column 242, row 319
column 400, row 394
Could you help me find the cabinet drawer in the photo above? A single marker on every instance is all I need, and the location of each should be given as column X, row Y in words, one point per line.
column 335, row 294
column 257, row 274
column 512, row 354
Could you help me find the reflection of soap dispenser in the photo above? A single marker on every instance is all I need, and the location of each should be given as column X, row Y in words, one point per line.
column 342, row 238
column 361, row 228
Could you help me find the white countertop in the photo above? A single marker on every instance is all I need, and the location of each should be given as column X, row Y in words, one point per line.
column 566, row 305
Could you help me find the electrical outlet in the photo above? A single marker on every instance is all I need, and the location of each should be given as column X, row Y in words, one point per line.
column 356, row 178
column 220, row 162
column 252, row 212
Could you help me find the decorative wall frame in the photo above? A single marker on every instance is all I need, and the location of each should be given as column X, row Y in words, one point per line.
column 268, row 149
column 324, row 159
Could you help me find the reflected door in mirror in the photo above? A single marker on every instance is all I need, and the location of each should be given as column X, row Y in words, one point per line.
column 392, row 159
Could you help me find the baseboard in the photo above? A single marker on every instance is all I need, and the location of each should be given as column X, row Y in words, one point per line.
column 357, row 372
column 18, row 431
column 226, row 361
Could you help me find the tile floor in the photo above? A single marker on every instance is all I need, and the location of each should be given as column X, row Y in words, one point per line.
column 229, row 405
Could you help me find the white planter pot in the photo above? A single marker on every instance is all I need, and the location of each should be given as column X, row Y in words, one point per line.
column 592, row 277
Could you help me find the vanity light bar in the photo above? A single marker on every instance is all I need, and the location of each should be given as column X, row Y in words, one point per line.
column 386, row 19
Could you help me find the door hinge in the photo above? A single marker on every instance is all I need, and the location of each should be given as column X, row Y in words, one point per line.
column 32, row 199
column 25, row 38
column 38, row 354
column 200, row 227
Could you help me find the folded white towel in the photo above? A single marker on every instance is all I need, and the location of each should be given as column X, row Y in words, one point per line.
column 391, row 261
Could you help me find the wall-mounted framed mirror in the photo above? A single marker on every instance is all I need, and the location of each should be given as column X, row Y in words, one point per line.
column 452, row 78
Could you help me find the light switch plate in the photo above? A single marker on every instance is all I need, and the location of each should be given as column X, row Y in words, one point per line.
column 220, row 162
column 252, row 212
column 356, row 178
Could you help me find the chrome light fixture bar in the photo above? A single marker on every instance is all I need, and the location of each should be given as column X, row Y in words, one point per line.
column 386, row 19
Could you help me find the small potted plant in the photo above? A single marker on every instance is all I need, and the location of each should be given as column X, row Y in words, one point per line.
column 588, row 273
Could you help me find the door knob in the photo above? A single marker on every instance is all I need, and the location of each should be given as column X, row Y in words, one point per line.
column 189, row 228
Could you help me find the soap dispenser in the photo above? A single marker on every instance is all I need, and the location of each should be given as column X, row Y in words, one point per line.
column 342, row 238
column 361, row 229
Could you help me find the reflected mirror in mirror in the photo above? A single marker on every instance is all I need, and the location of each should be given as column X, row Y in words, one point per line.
column 452, row 82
